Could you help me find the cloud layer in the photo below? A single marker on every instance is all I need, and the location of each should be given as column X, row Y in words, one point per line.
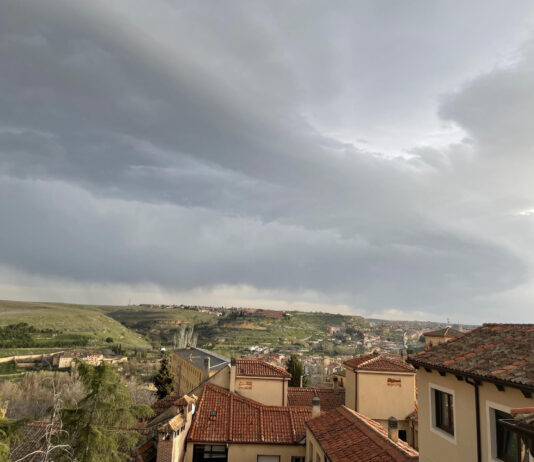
column 361, row 159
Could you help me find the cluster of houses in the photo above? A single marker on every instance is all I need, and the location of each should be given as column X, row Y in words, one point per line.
column 466, row 397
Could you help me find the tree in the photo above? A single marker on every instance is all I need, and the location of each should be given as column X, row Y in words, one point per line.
column 164, row 379
column 294, row 367
column 102, row 426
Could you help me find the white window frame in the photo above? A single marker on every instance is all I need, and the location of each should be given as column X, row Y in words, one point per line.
column 432, row 413
column 491, row 407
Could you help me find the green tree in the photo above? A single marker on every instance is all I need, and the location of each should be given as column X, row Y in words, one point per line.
column 164, row 379
column 101, row 427
column 294, row 367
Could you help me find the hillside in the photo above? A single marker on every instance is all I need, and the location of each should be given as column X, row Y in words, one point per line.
column 228, row 331
column 87, row 325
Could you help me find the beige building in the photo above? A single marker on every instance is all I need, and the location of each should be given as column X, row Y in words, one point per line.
column 343, row 435
column 191, row 366
column 251, row 378
column 380, row 386
column 437, row 337
column 467, row 390
column 229, row 427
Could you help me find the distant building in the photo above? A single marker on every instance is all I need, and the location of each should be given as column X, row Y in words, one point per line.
column 437, row 337
column 332, row 330
column 380, row 386
column 467, row 392
column 343, row 435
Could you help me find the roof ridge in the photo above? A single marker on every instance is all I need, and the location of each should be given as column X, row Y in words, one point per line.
column 262, row 436
column 380, row 431
column 230, row 413
column 293, row 431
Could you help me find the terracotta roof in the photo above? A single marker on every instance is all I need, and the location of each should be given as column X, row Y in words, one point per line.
column 226, row 417
column 330, row 399
column 255, row 368
column 379, row 362
column 446, row 332
column 502, row 352
column 346, row 435
column 161, row 405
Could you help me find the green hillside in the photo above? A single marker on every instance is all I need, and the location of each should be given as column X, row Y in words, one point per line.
column 69, row 322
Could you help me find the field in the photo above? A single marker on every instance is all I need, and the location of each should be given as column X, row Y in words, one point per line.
column 89, row 323
column 151, row 327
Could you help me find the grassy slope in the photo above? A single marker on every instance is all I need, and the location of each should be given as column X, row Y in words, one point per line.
column 80, row 319
column 297, row 330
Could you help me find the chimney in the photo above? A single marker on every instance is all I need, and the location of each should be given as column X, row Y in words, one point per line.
column 316, row 407
column 335, row 383
column 232, row 374
column 206, row 368
column 393, row 429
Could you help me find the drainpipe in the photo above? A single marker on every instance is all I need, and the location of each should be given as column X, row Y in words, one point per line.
column 477, row 408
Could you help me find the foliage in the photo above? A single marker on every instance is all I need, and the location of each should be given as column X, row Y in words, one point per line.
column 118, row 350
column 164, row 379
column 294, row 367
column 33, row 395
column 101, row 427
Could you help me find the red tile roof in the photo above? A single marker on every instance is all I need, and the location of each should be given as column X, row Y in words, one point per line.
column 346, row 436
column 255, row 368
column 446, row 332
column 330, row 399
column 495, row 352
column 379, row 362
column 225, row 417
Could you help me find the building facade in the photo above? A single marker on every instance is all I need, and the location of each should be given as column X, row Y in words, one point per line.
column 380, row 386
column 468, row 387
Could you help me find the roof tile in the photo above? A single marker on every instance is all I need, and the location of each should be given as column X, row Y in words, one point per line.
column 379, row 362
column 503, row 350
column 346, row 435
column 255, row 368
column 224, row 417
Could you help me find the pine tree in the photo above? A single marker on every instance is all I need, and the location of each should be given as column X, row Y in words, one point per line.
column 164, row 379
column 101, row 427
column 294, row 367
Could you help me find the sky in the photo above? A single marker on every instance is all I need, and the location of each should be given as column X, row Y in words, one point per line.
column 370, row 157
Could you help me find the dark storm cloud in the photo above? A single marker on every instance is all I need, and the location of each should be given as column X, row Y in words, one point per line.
column 191, row 146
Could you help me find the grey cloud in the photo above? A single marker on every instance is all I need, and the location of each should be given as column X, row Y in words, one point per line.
column 193, row 146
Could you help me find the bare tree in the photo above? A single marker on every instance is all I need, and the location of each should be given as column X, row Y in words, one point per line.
column 51, row 446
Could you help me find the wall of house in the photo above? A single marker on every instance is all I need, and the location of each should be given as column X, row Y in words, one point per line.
column 433, row 341
column 350, row 389
column 186, row 375
column 381, row 395
column 250, row 452
column 221, row 378
column 268, row 391
column 490, row 399
column 436, row 446
column 314, row 452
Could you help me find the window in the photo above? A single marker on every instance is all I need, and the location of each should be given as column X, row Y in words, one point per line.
column 209, row 452
column 444, row 411
column 298, row 459
column 268, row 458
column 507, row 444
